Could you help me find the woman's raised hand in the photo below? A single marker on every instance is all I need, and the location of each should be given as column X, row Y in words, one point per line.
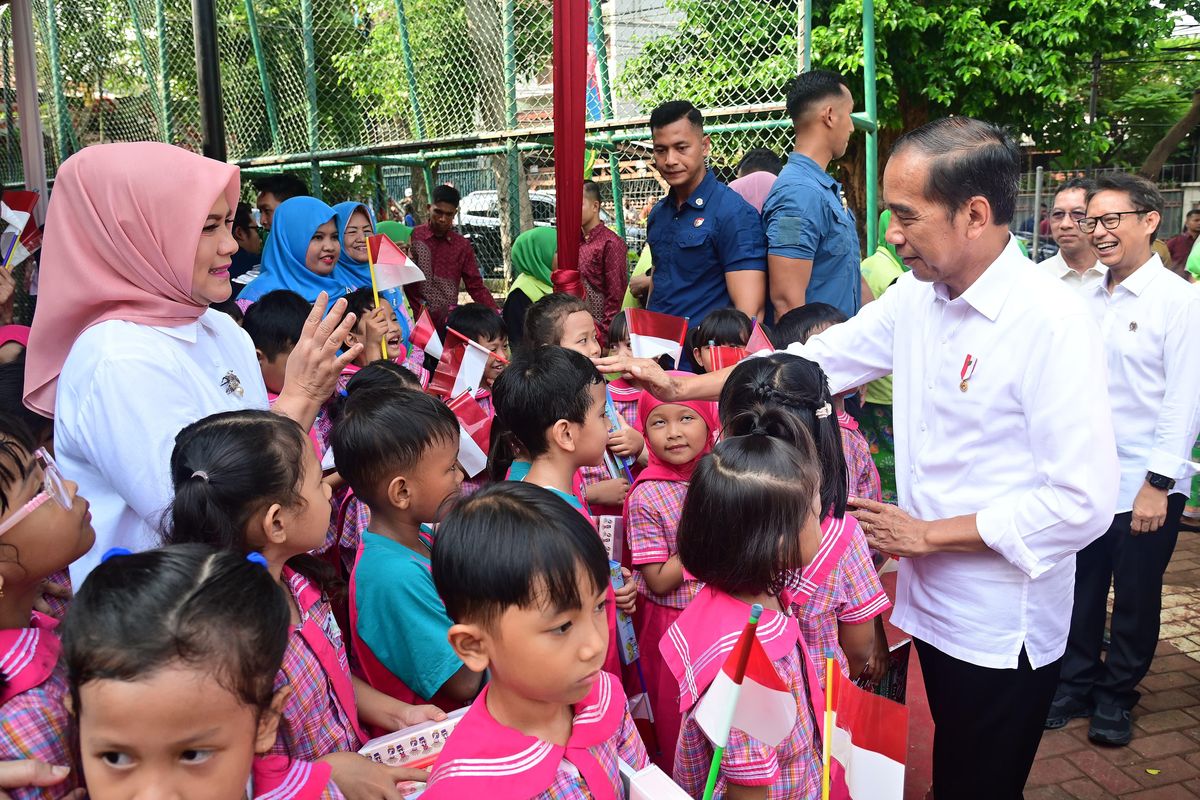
column 314, row 364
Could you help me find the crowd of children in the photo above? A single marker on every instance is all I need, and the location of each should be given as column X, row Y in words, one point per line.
column 315, row 588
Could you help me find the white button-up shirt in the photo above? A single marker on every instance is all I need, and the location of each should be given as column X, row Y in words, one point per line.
column 1028, row 447
column 1056, row 266
column 124, row 393
column 1151, row 328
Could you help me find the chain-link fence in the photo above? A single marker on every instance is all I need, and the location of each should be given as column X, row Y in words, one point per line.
column 381, row 100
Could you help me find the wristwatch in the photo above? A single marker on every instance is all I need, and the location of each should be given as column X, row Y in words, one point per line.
column 1160, row 481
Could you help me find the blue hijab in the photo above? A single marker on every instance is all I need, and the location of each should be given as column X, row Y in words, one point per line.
column 349, row 270
column 292, row 228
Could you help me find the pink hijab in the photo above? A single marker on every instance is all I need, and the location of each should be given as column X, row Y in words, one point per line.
column 754, row 188
column 120, row 243
column 659, row 470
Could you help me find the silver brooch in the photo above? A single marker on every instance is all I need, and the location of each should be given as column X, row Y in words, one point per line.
column 232, row 384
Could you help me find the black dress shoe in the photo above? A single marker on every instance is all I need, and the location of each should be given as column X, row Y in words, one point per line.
column 1111, row 726
column 1064, row 709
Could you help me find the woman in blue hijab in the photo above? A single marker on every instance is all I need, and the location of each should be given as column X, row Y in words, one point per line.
column 301, row 253
column 356, row 224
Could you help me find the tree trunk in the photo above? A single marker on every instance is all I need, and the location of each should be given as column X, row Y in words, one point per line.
column 1166, row 145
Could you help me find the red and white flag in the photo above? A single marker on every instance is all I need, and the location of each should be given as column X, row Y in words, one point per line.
column 870, row 740
column 389, row 265
column 474, row 433
column 724, row 355
column 424, row 335
column 21, row 237
column 758, row 340
column 652, row 334
column 460, row 368
column 761, row 706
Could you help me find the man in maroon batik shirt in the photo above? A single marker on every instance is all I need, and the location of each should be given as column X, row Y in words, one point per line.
column 446, row 258
column 603, row 263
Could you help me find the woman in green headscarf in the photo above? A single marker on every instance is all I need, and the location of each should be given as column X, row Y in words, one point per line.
column 534, row 256
column 880, row 270
column 398, row 232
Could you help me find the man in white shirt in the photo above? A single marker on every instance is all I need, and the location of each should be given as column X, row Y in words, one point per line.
column 996, row 492
column 1150, row 321
column 1075, row 263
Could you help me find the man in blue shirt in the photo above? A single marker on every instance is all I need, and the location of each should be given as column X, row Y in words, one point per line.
column 812, row 241
column 707, row 243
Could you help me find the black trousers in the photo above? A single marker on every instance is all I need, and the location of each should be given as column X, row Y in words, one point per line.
column 987, row 724
column 1134, row 567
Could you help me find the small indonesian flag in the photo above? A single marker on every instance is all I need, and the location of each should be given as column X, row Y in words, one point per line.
column 870, row 740
column 425, row 336
column 761, row 705
column 474, row 433
column 21, row 237
column 460, row 368
column 758, row 340
column 16, row 208
column 724, row 355
column 652, row 334
column 390, row 265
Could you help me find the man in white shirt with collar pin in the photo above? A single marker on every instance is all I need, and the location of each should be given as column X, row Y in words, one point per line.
column 1075, row 263
column 1002, row 474
column 1150, row 320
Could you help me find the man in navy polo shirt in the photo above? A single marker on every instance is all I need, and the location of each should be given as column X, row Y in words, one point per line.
column 707, row 243
column 812, row 241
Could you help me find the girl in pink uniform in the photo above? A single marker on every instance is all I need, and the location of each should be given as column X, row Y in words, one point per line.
column 677, row 436
column 746, row 501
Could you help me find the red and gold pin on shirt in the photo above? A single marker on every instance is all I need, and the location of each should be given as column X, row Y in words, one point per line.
column 968, row 369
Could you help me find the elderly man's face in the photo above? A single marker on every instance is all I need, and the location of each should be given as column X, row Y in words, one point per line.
column 931, row 242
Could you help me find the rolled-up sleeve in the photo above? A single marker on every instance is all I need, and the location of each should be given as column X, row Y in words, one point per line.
column 1074, row 454
column 795, row 221
column 740, row 242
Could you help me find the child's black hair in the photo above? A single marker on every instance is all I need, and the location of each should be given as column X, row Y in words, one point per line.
column 544, row 319
column 746, row 504
column 186, row 605
column 276, row 321
column 382, row 374
column 797, row 325
column 361, row 302
column 723, row 326
column 783, row 394
column 477, row 322
column 231, row 308
column 539, row 387
column 12, row 405
column 618, row 329
column 16, row 448
column 384, row 432
column 229, row 467
column 514, row 544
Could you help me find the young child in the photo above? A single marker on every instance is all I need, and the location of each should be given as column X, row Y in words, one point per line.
column 724, row 326
column 173, row 683
column 624, row 395
column 245, row 481
column 44, row 526
column 485, row 327
column 525, row 580
column 373, row 327
column 274, row 324
column 838, row 596
column 797, row 326
column 552, row 400
column 677, row 436
column 398, row 450
column 738, row 535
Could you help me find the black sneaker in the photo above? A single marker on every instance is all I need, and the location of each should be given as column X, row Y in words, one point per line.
column 1064, row 709
column 1111, row 725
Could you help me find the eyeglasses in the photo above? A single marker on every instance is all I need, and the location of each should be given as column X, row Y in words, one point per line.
column 1058, row 214
column 53, row 487
column 1109, row 221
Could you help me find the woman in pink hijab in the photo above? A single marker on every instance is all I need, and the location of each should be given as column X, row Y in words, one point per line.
column 124, row 350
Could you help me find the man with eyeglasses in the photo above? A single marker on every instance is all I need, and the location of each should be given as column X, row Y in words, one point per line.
column 1150, row 321
column 1075, row 262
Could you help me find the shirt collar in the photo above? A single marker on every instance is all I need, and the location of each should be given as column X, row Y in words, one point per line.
column 700, row 198
column 1141, row 277
column 190, row 331
column 989, row 291
column 28, row 655
column 804, row 162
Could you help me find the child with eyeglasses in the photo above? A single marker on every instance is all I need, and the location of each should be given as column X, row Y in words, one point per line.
column 44, row 526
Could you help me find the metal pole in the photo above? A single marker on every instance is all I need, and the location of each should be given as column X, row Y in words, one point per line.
column 164, row 71
column 208, row 78
column 872, row 113
column 806, row 39
column 33, row 150
column 606, row 111
column 65, row 135
column 409, row 71
column 1093, row 100
column 263, row 77
column 508, row 20
column 151, row 83
column 310, row 84
column 1037, row 213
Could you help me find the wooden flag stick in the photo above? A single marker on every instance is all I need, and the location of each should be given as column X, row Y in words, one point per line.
column 375, row 291
column 827, row 739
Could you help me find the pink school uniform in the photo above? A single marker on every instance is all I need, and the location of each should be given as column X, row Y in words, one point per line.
column 695, row 649
column 625, row 400
column 652, row 512
column 839, row 586
column 861, row 472
column 486, row 759
column 321, row 714
column 282, row 778
column 34, row 722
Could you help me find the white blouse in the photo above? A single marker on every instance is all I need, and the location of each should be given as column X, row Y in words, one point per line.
column 125, row 392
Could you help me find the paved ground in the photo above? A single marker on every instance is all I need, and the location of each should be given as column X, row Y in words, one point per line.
column 1162, row 762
